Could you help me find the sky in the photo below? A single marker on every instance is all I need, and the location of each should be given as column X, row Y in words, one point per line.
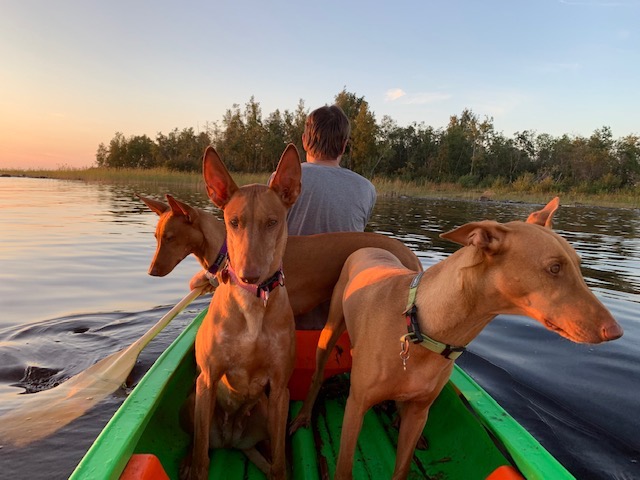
column 75, row 72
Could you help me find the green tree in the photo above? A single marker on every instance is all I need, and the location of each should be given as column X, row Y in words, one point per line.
column 102, row 155
column 274, row 139
column 599, row 159
column 254, row 138
column 117, row 157
column 456, row 149
column 364, row 134
column 627, row 153
column 231, row 145
column 139, row 152
column 294, row 127
column 362, row 154
column 392, row 151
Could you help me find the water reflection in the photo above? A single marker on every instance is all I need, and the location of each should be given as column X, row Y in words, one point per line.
column 609, row 252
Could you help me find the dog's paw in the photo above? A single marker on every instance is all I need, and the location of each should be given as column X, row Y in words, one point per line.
column 423, row 443
column 189, row 472
column 301, row 421
column 185, row 468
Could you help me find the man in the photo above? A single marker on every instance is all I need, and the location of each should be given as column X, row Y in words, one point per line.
column 333, row 199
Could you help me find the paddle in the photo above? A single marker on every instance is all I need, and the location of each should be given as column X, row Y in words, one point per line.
column 45, row 412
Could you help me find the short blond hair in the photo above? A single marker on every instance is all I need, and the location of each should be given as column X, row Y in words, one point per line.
column 326, row 132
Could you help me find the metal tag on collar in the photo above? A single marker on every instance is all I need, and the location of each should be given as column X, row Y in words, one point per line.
column 404, row 351
column 264, row 294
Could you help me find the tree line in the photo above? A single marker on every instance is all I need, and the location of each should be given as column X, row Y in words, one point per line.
column 468, row 150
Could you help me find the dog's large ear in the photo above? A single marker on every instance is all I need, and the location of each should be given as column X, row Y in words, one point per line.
column 286, row 179
column 486, row 235
column 156, row 206
column 544, row 217
column 182, row 209
column 220, row 185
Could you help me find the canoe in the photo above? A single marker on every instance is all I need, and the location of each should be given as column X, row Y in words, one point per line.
column 468, row 435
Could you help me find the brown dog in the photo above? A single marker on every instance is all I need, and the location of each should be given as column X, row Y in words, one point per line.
column 245, row 347
column 312, row 263
column 514, row 268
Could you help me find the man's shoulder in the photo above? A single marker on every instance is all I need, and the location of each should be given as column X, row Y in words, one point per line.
column 314, row 169
column 337, row 179
column 356, row 177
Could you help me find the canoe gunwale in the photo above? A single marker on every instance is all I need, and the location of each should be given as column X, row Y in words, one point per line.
column 153, row 386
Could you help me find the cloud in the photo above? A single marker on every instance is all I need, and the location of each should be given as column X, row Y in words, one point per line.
column 419, row 98
column 394, row 94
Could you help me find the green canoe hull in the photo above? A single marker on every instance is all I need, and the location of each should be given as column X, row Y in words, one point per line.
column 468, row 435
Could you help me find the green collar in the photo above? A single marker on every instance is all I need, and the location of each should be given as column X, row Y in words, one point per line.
column 416, row 336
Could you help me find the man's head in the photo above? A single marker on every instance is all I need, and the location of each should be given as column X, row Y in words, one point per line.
column 326, row 132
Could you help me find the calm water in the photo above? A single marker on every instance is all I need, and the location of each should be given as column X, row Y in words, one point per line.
column 74, row 288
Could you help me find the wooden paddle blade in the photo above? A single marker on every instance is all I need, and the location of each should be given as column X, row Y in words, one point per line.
column 43, row 413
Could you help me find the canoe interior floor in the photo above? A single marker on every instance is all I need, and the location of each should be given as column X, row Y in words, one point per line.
column 454, row 444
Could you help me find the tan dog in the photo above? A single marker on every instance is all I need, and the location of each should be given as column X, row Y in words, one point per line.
column 515, row 268
column 245, row 347
column 312, row 263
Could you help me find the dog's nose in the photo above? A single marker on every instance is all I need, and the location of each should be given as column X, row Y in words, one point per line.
column 612, row 331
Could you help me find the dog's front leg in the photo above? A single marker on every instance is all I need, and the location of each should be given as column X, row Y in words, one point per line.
column 413, row 418
column 327, row 341
column 205, row 403
column 351, row 426
column 328, row 338
column 277, row 424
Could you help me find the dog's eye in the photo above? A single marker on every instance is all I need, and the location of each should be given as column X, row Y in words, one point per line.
column 555, row 269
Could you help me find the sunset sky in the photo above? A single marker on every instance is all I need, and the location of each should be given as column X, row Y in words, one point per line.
column 72, row 73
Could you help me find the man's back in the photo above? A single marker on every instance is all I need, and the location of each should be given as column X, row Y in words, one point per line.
column 333, row 199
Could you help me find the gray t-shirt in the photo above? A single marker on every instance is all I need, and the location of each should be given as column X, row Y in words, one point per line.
column 332, row 199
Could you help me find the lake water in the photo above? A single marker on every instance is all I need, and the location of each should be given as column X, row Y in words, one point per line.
column 74, row 288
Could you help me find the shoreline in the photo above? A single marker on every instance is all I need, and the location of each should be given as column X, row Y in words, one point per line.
column 384, row 187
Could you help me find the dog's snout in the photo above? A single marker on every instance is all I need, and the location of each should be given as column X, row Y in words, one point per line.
column 612, row 331
column 252, row 280
column 155, row 271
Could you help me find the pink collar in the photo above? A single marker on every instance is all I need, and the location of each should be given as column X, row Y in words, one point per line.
column 262, row 290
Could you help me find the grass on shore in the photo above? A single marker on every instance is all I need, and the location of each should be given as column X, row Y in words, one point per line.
column 385, row 187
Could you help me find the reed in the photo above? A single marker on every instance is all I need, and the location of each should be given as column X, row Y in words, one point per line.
column 621, row 199
column 154, row 176
column 166, row 178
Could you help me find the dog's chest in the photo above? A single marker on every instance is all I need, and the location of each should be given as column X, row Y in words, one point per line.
column 239, row 388
column 251, row 355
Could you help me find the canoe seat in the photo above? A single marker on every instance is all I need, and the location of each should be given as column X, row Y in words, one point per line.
column 505, row 472
column 306, row 343
column 144, row 466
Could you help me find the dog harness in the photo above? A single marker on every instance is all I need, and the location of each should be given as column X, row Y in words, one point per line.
column 262, row 291
column 217, row 263
column 414, row 334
